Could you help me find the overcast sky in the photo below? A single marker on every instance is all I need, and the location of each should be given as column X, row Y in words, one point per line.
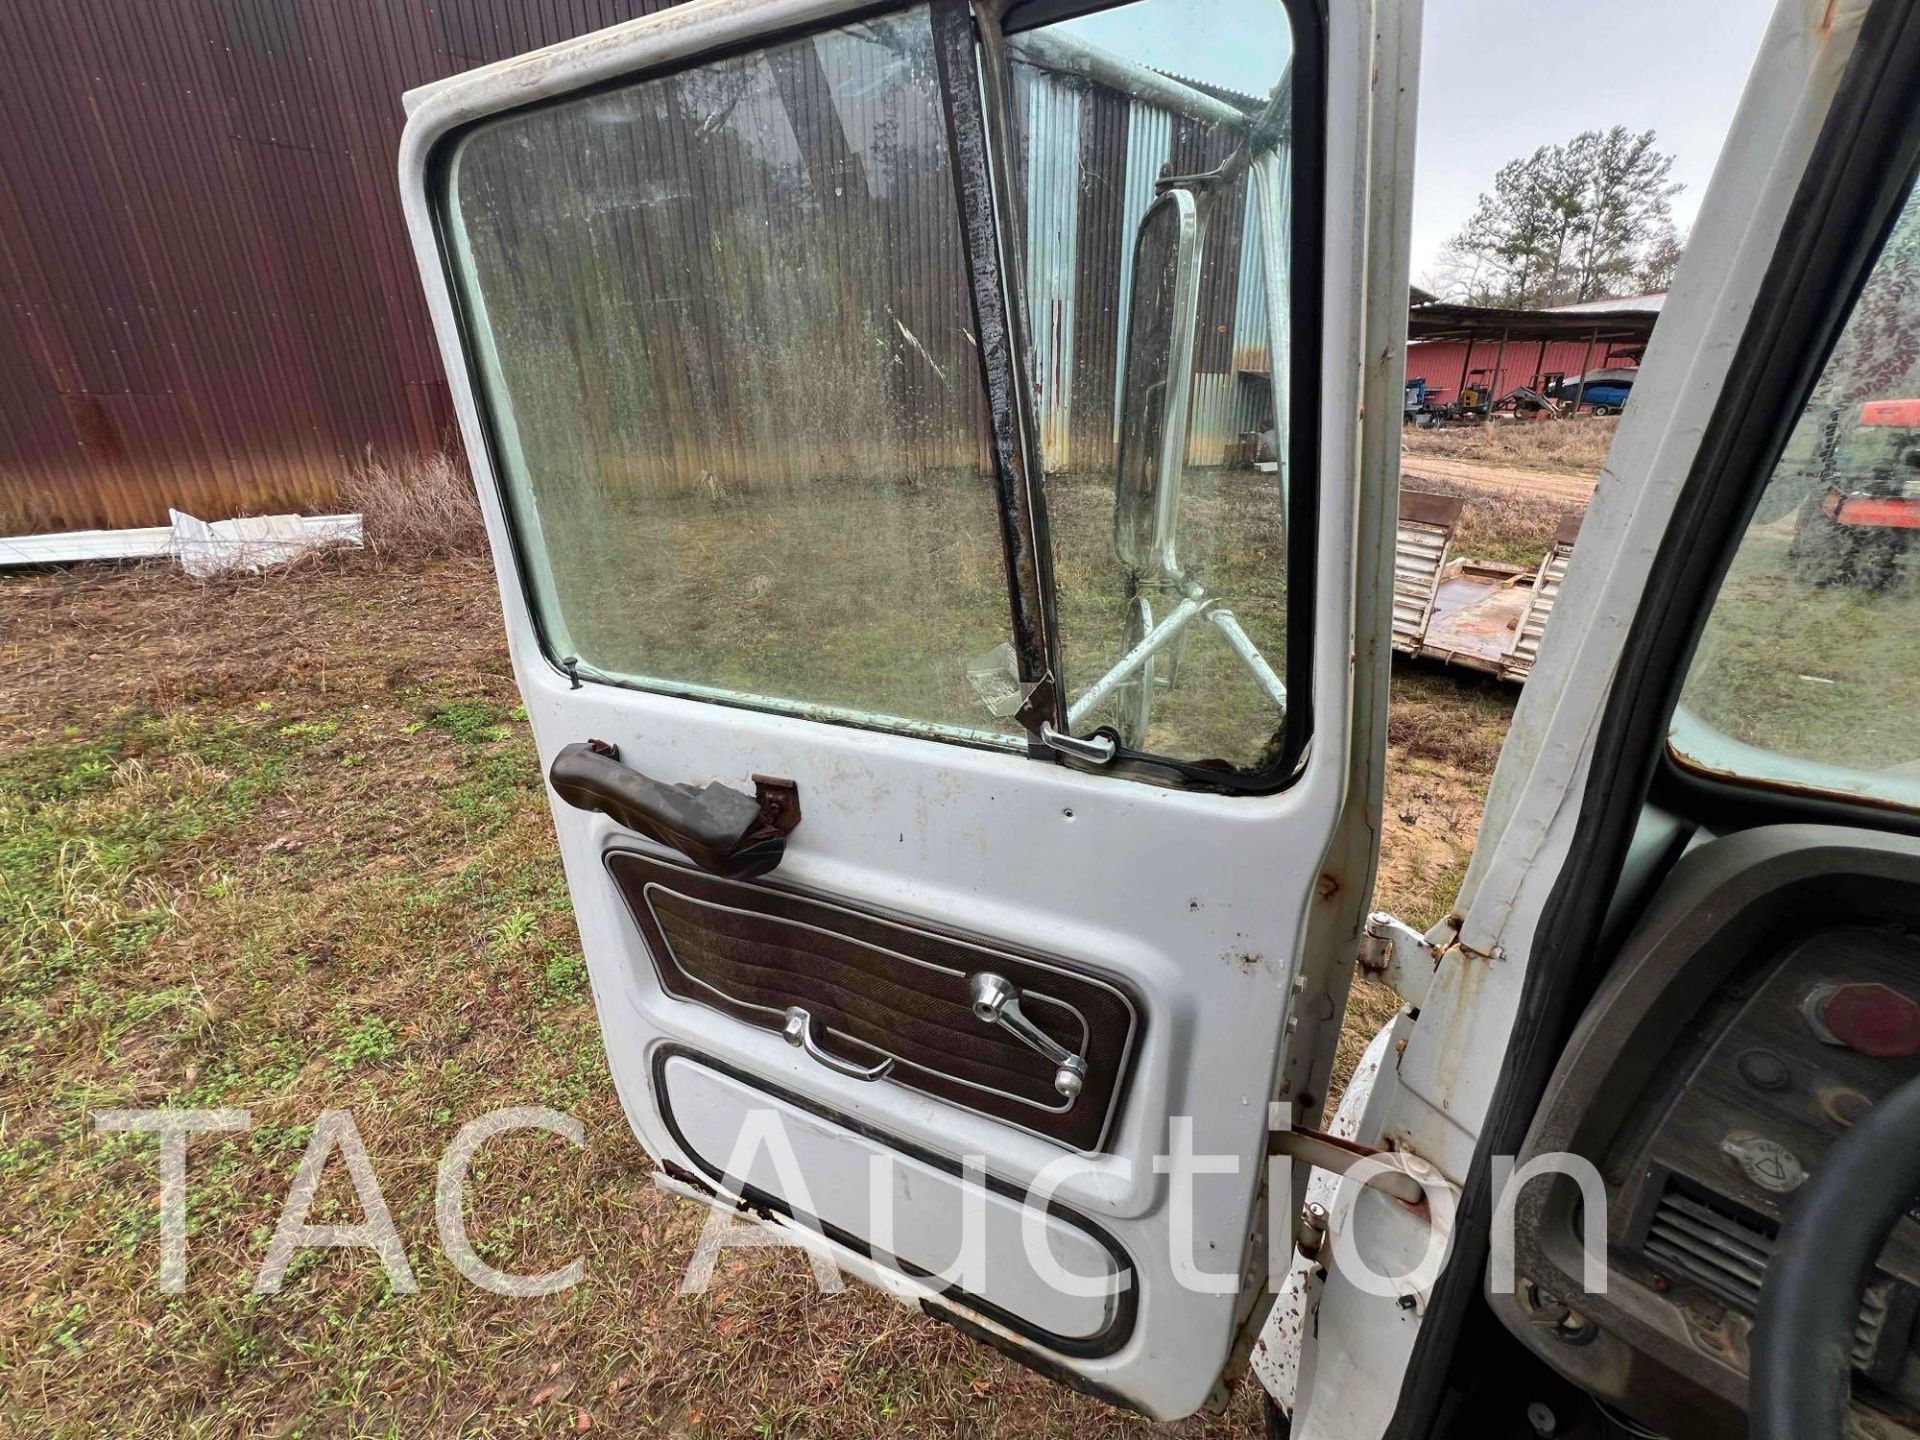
column 1500, row 77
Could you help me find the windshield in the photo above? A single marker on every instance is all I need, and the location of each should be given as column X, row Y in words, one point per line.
column 1808, row 672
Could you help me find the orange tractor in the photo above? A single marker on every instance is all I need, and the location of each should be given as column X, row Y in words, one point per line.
column 1859, row 523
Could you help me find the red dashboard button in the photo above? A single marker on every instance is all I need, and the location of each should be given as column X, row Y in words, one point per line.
column 1874, row 1019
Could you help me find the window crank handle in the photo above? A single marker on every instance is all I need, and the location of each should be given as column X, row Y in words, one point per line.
column 997, row 1002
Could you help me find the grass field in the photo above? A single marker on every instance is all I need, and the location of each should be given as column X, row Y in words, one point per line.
column 878, row 596
column 280, row 844
column 1573, row 447
column 1820, row 673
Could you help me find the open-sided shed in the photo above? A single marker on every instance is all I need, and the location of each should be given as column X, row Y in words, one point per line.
column 1452, row 346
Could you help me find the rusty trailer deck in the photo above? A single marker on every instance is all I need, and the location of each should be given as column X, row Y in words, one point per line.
column 1483, row 615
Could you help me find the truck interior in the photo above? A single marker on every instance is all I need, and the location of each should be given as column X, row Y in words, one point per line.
column 1731, row 1032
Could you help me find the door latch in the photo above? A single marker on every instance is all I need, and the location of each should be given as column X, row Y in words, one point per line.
column 1097, row 749
column 997, row 1002
column 1034, row 715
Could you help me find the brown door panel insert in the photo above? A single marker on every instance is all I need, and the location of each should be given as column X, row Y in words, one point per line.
column 878, row 987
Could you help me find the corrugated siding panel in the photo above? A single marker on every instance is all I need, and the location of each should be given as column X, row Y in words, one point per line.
column 1105, row 122
column 724, row 373
column 1053, row 226
column 1149, row 146
column 210, row 299
column 1252, row 400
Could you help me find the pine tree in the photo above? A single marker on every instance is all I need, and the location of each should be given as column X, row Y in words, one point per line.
column 1579, row 221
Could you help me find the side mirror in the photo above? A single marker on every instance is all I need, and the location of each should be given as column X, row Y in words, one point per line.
column 1156, row 384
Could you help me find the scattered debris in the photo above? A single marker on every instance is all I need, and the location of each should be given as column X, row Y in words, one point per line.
column 254, row 542
column 250, row 542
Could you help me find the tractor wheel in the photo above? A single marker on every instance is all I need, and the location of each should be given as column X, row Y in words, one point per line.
column 1824, row 551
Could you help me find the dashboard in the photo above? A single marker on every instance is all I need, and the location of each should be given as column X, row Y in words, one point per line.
column 1768, row 999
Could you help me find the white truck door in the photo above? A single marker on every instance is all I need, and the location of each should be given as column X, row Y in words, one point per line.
column 920, row 457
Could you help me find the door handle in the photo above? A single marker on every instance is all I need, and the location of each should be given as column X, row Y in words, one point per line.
column 997, row 1002
column 798, row 1032
column 721, row 830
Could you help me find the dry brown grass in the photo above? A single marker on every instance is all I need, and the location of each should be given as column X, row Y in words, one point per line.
column 281, row 843
column 1577, row 446
column 1513, row 525
column 420, row 507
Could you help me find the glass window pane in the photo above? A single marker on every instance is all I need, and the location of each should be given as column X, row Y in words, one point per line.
column 1155, row 167
column 727, row 354
column 1808, row 672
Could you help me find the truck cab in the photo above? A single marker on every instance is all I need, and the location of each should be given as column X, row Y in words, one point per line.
column 968, row 766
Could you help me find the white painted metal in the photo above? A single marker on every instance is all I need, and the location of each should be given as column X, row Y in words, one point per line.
column 149, row 542
column 929, row 1206
column 1354, row 1354
column 1419, row 555
column 1276, row 1357
column 252, row 543
column 1208, row 906
column 146, row 542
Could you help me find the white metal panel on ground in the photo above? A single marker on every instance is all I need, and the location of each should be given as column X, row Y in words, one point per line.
column 1419, row 553
column 289, row 534
column 1533, row 625
column 149, row 542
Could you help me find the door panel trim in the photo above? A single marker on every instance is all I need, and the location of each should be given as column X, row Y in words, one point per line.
column 900, row 982
column 1027, row 997
column 1119, row 1327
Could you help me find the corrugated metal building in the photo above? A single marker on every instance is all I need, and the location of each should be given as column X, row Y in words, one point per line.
column 211, row 304
column 209, row 297
column 1565, row 342
column 1079, row 261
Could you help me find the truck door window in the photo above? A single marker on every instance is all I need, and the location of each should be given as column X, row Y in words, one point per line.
column 727, row 361
column 1808, row 672
column 1154, row 156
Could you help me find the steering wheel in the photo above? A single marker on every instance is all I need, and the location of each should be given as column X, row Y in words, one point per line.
column 1803, row 1336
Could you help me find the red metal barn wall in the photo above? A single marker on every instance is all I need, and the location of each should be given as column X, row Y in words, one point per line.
column 1524, row 362
column 209, row 300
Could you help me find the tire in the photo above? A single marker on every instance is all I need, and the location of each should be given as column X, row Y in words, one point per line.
column 1603, row 410
column 1824, row 552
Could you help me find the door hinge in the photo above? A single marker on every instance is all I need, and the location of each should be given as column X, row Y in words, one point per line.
column 1338, row 1157
column 1398, row 955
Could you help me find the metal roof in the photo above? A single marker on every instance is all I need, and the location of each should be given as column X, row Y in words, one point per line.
column 1446, row 321
column 1614, row 304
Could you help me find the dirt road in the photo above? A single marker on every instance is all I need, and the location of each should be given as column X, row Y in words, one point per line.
column 1501, row 479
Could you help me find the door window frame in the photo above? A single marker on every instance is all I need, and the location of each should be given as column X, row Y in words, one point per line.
column 984, row 166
